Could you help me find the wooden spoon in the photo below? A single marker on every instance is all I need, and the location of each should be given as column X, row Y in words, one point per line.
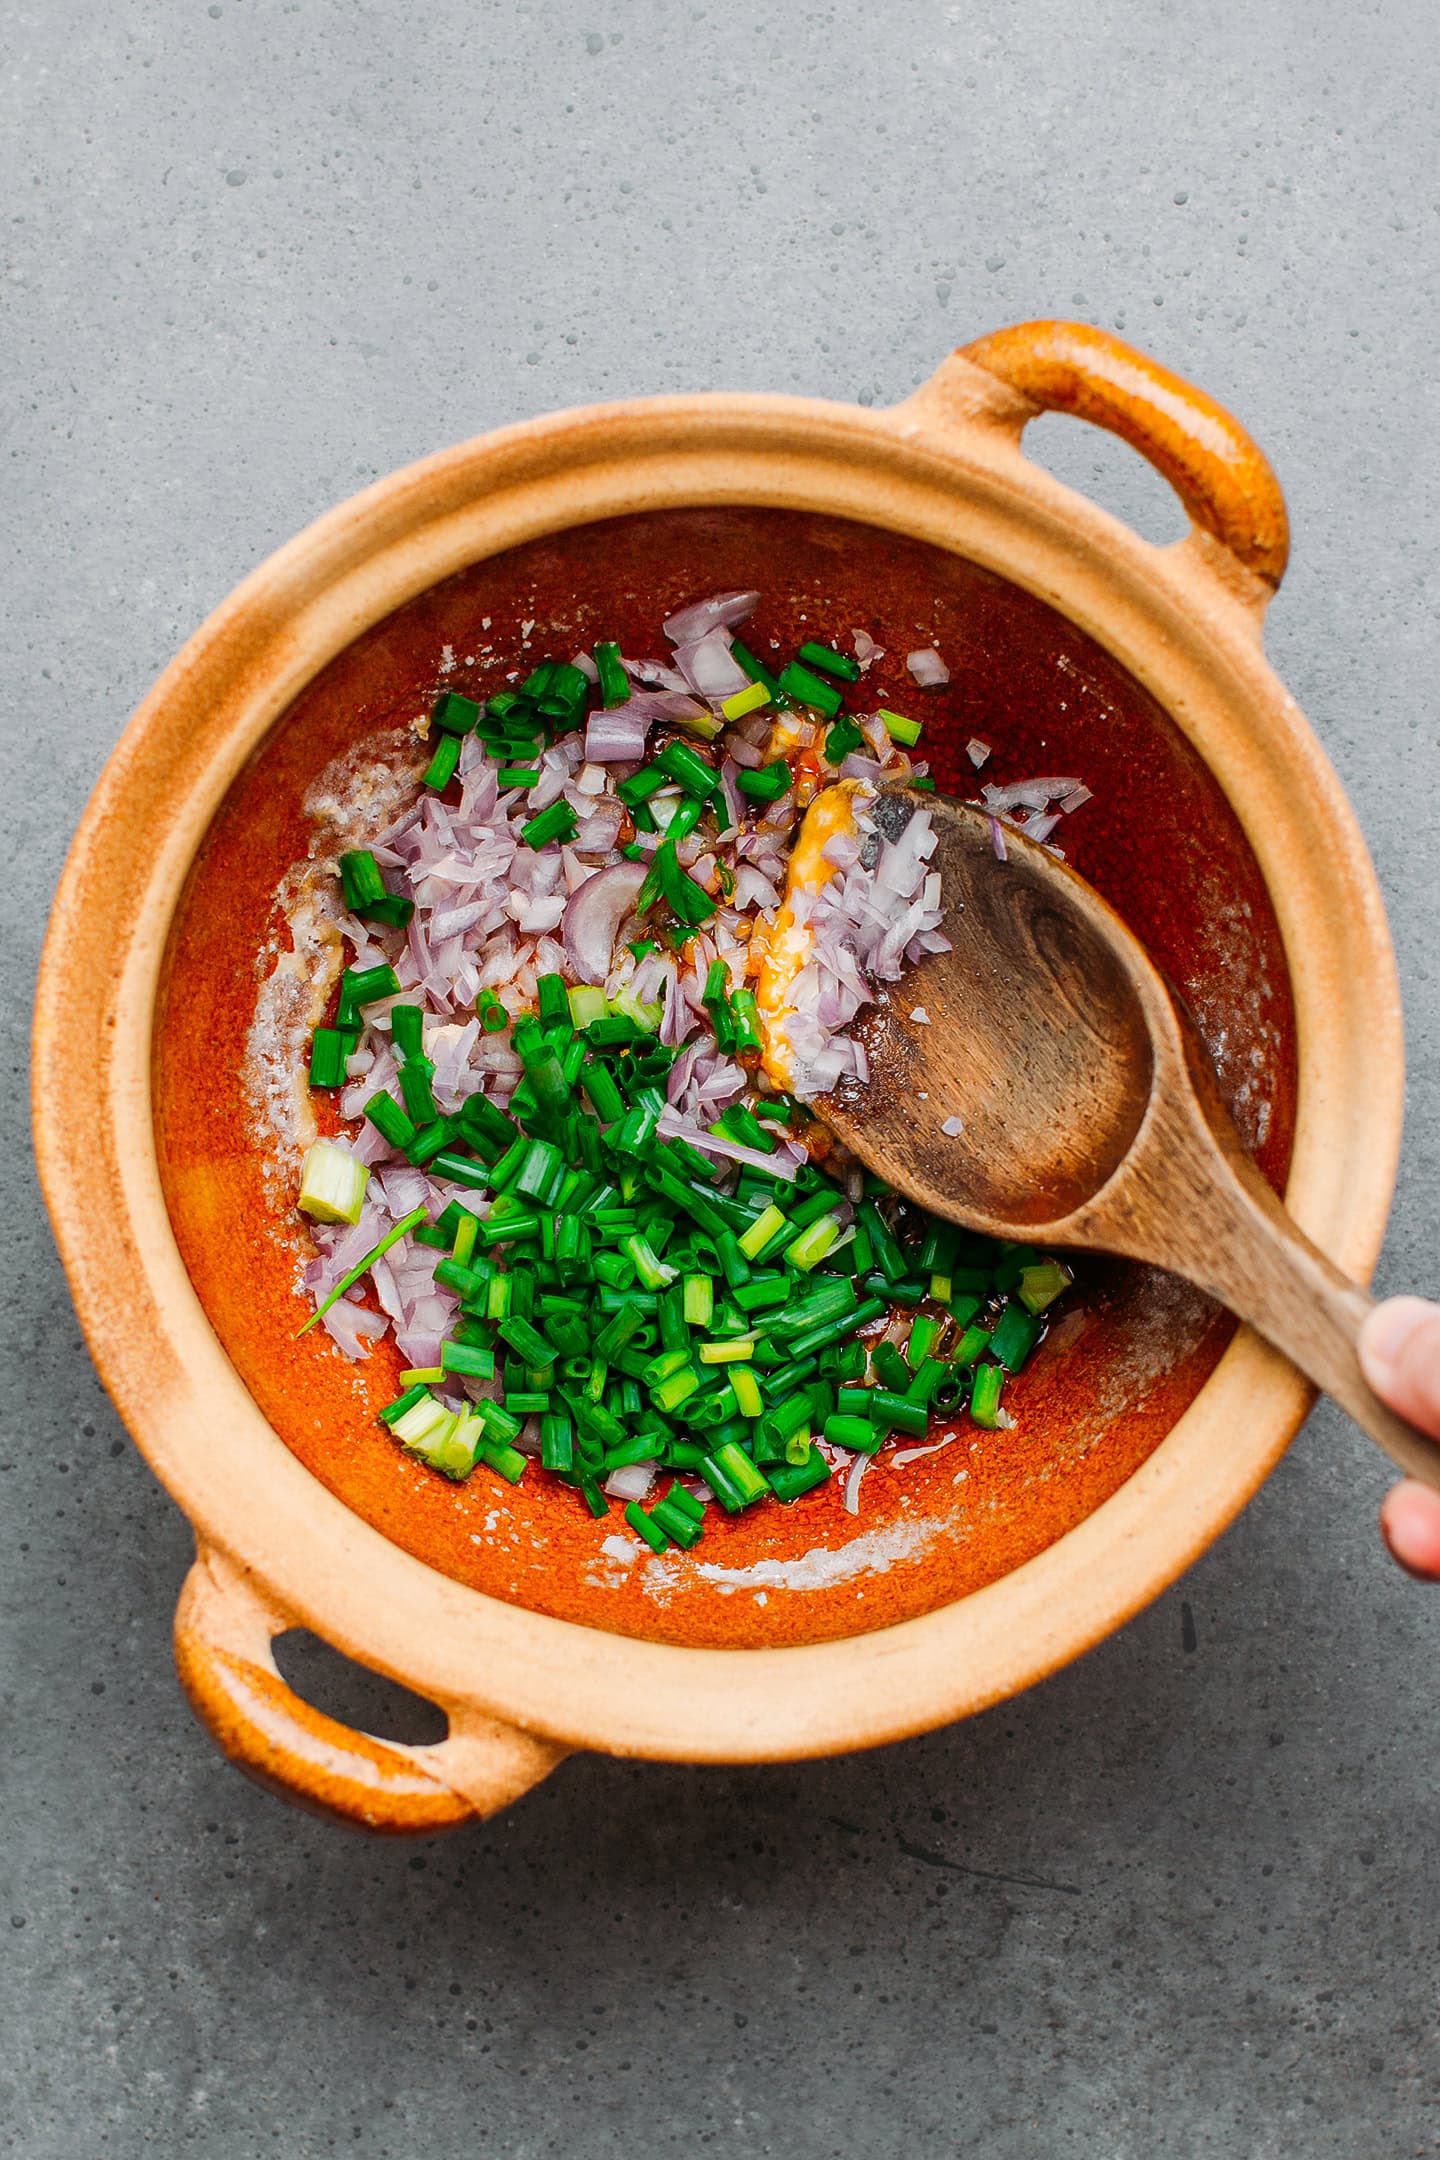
column 1091, row 1116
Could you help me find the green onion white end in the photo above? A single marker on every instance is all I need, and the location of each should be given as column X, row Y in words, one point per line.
column 332, row 1184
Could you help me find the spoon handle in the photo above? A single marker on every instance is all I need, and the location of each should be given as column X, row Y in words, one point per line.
column 1226, row 1230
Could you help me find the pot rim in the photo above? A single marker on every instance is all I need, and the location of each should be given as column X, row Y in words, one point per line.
column 944, row 466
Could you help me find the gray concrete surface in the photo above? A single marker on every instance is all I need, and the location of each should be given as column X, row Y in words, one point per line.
column 1180, row 1900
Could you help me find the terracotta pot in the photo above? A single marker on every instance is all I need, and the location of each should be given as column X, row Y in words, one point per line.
column 1218, row 829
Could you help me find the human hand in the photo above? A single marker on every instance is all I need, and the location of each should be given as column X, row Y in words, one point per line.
column 1400, row 1353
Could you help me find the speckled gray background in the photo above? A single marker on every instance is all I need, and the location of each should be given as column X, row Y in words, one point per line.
column 1179, row 1901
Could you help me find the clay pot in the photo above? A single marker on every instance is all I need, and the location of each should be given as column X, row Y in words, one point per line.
column 1217, row 828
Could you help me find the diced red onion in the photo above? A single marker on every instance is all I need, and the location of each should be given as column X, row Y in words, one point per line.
column 927, row 668
column 977, row 751
column 655, row 673
column 675, row 1127
column 709, row 666
column 538, row 916
column 754, row 890
column 725, row 609
column 902, row 1456
column 617, row 736
column 594, row 913
column 1033, row 794
column 632, row 1481
column 952, row 1127
column 597, row 834
column 353, row 1327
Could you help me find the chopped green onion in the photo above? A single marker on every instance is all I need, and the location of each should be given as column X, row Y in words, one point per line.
column 806, row 688
column 454, row 714
column 765, row 1227
column 557, row 823
column 1015, row 1335
column 332, row 1184
column 586, row 1005
column 652, row 1271
column 842, row 740
column 738, row 1472
column 424, row 1419
column 529, row 1342
column 507, row 1462
column 688, row 769
column 790, row 1480
column 329, row 1050
column 415, row 1076
column 441, row 769
column 1040, row 1285
column 746, row 1389
column 814, row 1242
column 472, row 1359
column 899, row 729
column 756, row 670
column 686, row 1502
column 557, row 1442
column 924, row 1334
column 762, row 1291
column 846, row 1430
column 360, row 879
column 699, row 1300
column 830, row 662
column 743, row 1016
column 765, row 783
column 364, row 986
column 741, row 702
column 676, row 1523
column 677, row 1388
column 407, row 1030
column 985, row 1393
column 928, row 1375
column 890, row 1367
column 614, row 682
column 652, row 1533
column 402, row 1403
column 887, row 1408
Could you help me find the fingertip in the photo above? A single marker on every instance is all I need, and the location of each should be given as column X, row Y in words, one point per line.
column 1399, row 1348
column 1410, row 1525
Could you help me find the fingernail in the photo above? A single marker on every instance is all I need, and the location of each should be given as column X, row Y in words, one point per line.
column 1390, row 1327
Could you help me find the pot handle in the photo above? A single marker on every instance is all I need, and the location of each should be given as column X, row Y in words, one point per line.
column 224, row 1628
column 1221, row 476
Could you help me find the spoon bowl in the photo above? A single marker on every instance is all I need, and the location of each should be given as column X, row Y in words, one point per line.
column 1050, row 1107
column 1088, row 1113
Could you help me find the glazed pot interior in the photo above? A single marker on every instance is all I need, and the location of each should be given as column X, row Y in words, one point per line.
column 1159, row 839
